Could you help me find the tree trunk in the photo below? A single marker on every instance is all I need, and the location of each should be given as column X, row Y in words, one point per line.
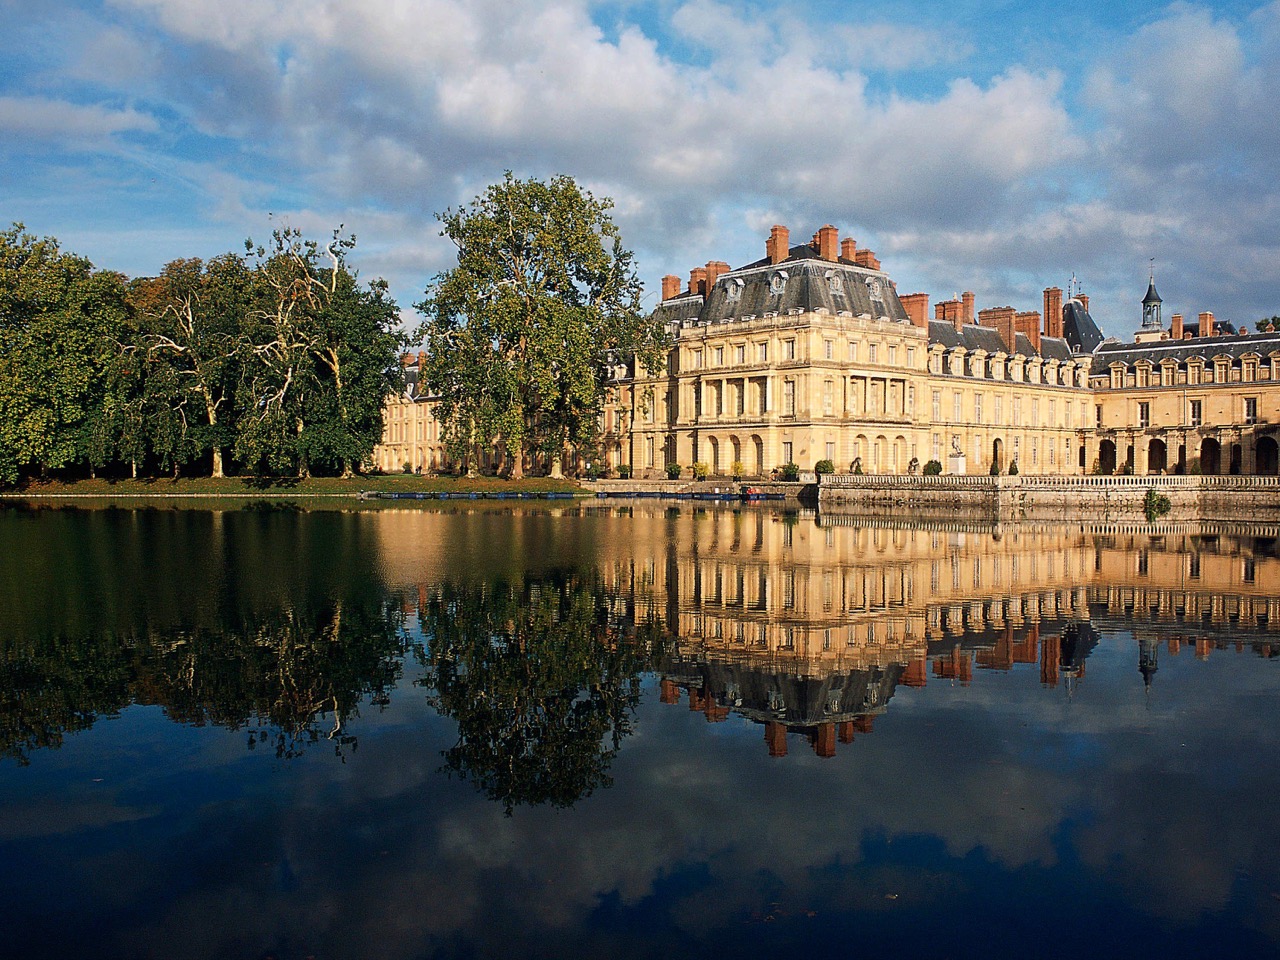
column 217, row 461
column 517, row 462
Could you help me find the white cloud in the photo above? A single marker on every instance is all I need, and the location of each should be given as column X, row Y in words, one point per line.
column 32, row 119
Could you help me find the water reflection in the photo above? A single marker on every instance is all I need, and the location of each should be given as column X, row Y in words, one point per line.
column 541, row 681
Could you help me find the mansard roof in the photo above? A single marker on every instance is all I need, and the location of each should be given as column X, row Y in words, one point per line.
column 803, row 282
column 1078, row 327
column 973, row 337
column 1205, row 348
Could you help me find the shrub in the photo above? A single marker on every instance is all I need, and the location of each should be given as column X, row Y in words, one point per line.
column 738, row 468
column 700, row 470
column 857, row 468
column 995, row 469
column 624, row 471
column 407, row 467
column 1155, row 506
column 673, row 471
column 791, row 472
column 1013, row 468
column 824, row 466
column 932, row 468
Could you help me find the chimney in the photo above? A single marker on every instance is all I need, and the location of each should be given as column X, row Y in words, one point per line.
column 1053, row 324
column 848, row 247
column 825, row 742
column 948, row 311
column 408, row 360
column 715, row 270
column 1003, row 320
column 1084, row 301
column 778, row 246
column 917, row 307
column 698, row 280
column 866, row 258
column 1175, row 327
column 670, row 286
column 967, row 299
column 1206, row 325
column 828, row 242
column 775, row 735
column 1028, row 323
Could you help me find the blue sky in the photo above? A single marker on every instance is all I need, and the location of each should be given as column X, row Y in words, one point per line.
column 994, row 147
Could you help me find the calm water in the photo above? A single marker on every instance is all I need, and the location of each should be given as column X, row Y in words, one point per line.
column 633, row 732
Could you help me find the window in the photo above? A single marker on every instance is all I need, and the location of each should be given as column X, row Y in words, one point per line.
column 788, row 349
column 937, row 446
column 828, row 349
column 828, row 398
column 764, row 353
column 937, row 406
column 999, row 417
column 697, row 359
column 1017, row 411
column 911, row 399
column 1035, row 412
column 1144, row 414
column 831, row 455
column 742, row 397
column 871, row 352
column 911, row 357
column 740, row 353
column 977, row 408
column 853, row 350
column 955, row 406
column 1250, row 409
column 1197, row 413
column 893, row 353
column 1053, row 413
column 1097, row 416
column 788, row 399
column 648, row 452
column 719, row 356
column 786, row 452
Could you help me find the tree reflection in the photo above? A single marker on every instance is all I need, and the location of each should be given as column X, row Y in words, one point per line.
column 541, row 680
column 292, row 677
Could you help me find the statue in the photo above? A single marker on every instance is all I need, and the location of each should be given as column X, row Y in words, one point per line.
column 955, row 446
column 913, row 466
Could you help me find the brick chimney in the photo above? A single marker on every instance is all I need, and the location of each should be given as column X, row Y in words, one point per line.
column 1003, row 320
column 825, row 741
column 866, row 258
column 1084, row 301
column 848, row 248
column 967, row 312
column 949, row 311
column 778, row 245
column 775, row 735
column 1053, row 324
column 715, row 270
column 1206, row 325
column 698, row 280
column 1028, row 324
column 1175, row 327
column 670, row 286
column 917, row 307
column 828, row 242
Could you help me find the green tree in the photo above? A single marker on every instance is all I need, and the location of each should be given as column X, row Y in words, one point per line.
column 60, row 322
column 525, row 334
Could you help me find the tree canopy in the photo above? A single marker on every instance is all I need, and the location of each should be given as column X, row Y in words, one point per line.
column 526, row 334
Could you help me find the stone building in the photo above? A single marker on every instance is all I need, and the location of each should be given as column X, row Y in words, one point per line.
column 810, row 354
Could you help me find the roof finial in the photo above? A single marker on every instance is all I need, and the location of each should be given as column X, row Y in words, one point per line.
column 1152, row 276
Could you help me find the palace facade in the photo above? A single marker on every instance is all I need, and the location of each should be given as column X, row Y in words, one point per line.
column 810, row 354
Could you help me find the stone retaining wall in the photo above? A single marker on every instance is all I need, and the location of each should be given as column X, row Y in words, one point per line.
column 1057, row 498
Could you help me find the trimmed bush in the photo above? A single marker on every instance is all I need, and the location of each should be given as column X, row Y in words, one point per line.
column 824, row 466
column 791, row 472
column 1013, row 468
column 624, row 471
column 933, row 468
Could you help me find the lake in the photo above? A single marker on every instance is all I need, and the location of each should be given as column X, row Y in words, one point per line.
column 483, row 730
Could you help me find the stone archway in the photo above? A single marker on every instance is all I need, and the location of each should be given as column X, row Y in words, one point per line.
column 1107, row 457
column 1157, row 456
column 714, row 460
column 1266, row 457
column 1210, row 457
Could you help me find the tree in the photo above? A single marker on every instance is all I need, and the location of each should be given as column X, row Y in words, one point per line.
column 525, row 334
column 60, row 322
column 319, row 357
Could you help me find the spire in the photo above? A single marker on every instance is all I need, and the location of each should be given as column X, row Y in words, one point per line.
column 1151, row 303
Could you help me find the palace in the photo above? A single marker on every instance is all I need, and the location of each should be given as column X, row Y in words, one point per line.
column 811, row 354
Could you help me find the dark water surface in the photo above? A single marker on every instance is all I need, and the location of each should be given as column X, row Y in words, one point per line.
column 633, row 732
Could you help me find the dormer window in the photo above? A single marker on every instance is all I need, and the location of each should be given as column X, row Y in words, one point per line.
column 733, row 289
column 778, row 282
column 876, row 290
column 834, row 285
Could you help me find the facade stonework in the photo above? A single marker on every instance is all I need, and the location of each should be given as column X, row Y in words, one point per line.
column 811, row 354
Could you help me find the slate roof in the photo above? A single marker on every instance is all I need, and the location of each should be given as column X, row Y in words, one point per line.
column 1206, row 348
column 804, row 282
column 972, row 337
column 1078, row 327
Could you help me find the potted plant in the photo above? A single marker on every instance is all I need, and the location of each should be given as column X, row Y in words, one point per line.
column 823, row 467
column 738, row 468
column 673, row 471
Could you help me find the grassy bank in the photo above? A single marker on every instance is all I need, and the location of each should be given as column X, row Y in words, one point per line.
column 284, row 486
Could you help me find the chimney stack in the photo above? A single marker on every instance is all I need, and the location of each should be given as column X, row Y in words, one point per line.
column 698, row 280
column 967, row 300
column 670, row 286
column 1206, row 325
column 1004, row 320
column 1028, row 323
column 828, row 242
column 848, row 248
column 778, row 246
column 715, row 270
column 917, row 307
column 1084, row 301
column 1175, row 327
column 866, row 258
column 1053, row 323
